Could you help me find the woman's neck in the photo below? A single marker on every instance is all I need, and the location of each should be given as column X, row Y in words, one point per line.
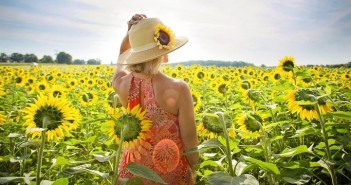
column 143, row 75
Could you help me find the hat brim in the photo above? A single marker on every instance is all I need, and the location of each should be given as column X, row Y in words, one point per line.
column 129, row 57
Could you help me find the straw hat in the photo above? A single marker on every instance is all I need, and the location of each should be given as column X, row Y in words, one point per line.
column 149, row 39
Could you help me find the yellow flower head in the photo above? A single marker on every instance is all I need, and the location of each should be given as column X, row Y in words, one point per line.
column 250, row 125
column 287, row 64
column 134, row 124
column 307, row 111
column 52, row 113
column 164, row 37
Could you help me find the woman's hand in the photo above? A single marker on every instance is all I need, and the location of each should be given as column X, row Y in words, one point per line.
column 135, row 19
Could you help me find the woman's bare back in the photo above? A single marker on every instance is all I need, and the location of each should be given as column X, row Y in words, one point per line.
column 167, row 90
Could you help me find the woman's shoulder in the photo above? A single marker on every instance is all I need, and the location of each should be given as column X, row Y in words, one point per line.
column 174, row 82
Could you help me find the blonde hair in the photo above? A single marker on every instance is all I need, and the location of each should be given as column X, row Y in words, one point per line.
column 149, row 67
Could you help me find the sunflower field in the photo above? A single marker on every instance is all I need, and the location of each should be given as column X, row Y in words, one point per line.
column 284, row 125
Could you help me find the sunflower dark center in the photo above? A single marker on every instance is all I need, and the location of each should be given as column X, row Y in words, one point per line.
column 42, row 87
column 112, row 102
column 87, row 97
column 57, row 93
column 163, row 38
column 200, row 75
column 194, row 100
column 277, row 76
column 307, row 79
column 133, row 127
column 54, row 116
column 223, row 88
column 18, row 80
column 288, row 65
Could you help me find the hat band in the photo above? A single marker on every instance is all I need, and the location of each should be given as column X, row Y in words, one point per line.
column 144, row 47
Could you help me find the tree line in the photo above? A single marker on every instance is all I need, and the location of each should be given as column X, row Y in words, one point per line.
column 61, row 58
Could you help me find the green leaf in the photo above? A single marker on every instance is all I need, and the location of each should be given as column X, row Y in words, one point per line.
column 91, row 139
column 61, row 161
column 13, row 135
column 61, row 181
column 75, row 170
column 132, row 181
column 46, row 182
column 221, row 178
column 291, row 152
column 209, row 163
column 19, row 159
column 297, row 164
column 296, row 176
column 4, row 180
column 95, row 172
column 143, row 171
column 270, row 167
column 103, row 158
column 303, row 73
column 306, row 131
column 211, row 143
column 275, row 124
column 325, row 165
column 340, row 115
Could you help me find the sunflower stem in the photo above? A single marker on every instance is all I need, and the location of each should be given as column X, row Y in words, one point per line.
column 325, row 137
column 228, row 153
column 40, row 156
column 270, row 109
column 118, row 156
column 267, row 152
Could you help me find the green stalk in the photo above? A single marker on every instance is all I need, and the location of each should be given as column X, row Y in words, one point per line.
column 228, row 153
column 117, row 158
column 267, row 148
column 325, row 137
column 40, row 156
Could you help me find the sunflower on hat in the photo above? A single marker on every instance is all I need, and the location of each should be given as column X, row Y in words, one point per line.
column 164, row 37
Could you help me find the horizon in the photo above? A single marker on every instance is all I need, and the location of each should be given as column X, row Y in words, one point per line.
column 314, row 32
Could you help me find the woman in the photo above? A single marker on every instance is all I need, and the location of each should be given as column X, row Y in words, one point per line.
column 167, row 101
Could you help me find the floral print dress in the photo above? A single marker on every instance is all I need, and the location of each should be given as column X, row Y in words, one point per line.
column 161, row 147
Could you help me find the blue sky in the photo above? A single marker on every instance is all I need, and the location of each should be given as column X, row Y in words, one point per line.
column 255, row 31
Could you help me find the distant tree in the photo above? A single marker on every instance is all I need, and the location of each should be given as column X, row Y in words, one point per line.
column 4, row 57
column 94, row 62
column 47, row 59
column 63, row 58
column 79, row 61
column 16, row 57
column 30, row 58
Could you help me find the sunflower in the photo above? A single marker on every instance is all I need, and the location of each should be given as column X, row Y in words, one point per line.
column 164, row 37
column 57, row 91
column 223, row 88
column 88, row 98
column 307, row 111
column 2, row 118
column 199, row 76
column 135, row 125
column 112, row 103
column 211, row 127
column 196, row 100
column 287, row 64
column 250, row 125
column 51, row 113
column 41, row 87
